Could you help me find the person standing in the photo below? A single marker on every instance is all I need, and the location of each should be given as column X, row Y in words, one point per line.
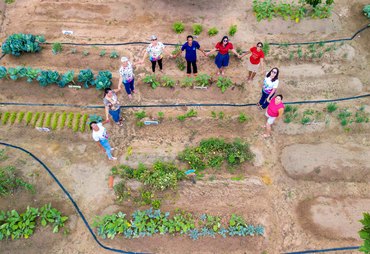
column 269, row 87
column 222, row 59
column 255, row 60
column 99, row 134
column 155, row 51
column 190, row 47
column 274, row 111
column 112, row 106
column 126, row 76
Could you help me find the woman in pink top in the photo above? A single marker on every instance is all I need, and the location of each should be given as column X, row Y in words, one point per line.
column 274, row 111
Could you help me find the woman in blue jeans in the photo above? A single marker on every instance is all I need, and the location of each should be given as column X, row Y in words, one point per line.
column 99, row 134
column 112, row 106
column 269, row 87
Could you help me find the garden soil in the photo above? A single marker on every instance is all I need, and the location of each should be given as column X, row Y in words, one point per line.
column 308, row 184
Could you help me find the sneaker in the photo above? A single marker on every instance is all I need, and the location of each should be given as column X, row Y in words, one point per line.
column 113, row 159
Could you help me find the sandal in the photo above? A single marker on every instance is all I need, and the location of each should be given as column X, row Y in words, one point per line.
column 266, row 135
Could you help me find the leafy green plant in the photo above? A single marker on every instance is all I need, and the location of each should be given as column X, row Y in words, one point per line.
column 243, row 118
column 52, row 215
column 203, row 80
column 214, row 114
column 140, row 115
column 28, row 117
column 180, row 63
column 85, row 53
column 84, row 122
column 56, row 48
column 213, row 31
column 366, row 11
column 114, row 54
column 290, row 113
column 151, row 80
column 221, row 115
column 178, row 27
column 103, row 80
column 48, row 77
column 32, row 74
column 365, row 233
column 86, row 77
column 54, row 124
column 62, row 121
column 10, row 182
column 47, row 120
column 331, row 107
column 20, row 117
column 13, row 117
column 95, row 118
column 190, row 113
column 223, row 83
column 167, row 81
column 344, row 116
column 17, row 72
column 232, row 30
column 66, row 79
column 3, row 72
column 70, row 120
column 5, row 118
column 160, row 115
column 35, row 118
column 16, row 44
column 76, row 124
column 197, row 29
column 102, row 52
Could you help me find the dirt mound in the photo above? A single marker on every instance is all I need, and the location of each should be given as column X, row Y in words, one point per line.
column 334, row 218
column 327, row 162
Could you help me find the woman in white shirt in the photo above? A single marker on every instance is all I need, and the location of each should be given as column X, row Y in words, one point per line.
column 99, row 134
column 155, row 51
column 126, row 76
column 269, row 87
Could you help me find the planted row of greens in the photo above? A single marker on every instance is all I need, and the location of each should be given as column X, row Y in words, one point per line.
column 15, row 225
column 52, row 120
column 49, row 77
column 16, row 44
column 179, row 27
column 150, row 222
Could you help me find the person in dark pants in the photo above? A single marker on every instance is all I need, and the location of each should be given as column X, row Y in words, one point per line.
column 222, row 58
column 269, row 87
column 190, row 47
column 155, row 51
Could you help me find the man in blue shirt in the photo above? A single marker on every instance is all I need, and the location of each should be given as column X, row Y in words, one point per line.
column 190, row 48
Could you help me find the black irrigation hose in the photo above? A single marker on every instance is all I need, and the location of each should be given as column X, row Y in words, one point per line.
column 180, row 104
column 324, row 250
column 71, row 199
column 175, row 44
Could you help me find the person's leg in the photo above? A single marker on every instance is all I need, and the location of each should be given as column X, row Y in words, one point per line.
column 270, row 121
column 266, row 103
column 195, row 68
column 105, row 144
column 153, row 65
column 249, row 75
column 127, row 88
column 218, row 62
column 253, row 75
column 115, row 115
column 160, row 64
column 263, row 98
column 132, row 87
column 188, row 68
column 268, row 130
column 225, row 63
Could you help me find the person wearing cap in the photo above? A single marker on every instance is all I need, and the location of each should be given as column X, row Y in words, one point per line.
column 190, row 47
column 222, row 59
column 126, row 76
column 155, row 51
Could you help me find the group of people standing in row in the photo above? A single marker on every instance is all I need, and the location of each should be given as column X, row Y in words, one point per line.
column 156, row 49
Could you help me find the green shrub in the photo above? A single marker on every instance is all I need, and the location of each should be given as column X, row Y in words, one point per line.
column 57, row 48
column 232, row 30
column 5, row 118
column 86, row 77
column 114, row 54
column 367, row 11
column 178, row 27
column 103, row 80
column 331, row 107
column 187, row 82
column 213, row 31
column 203, row 80
column 151, row 80
column 103, row 52
column 197, row 29
column 16, row 44
column 10, row 182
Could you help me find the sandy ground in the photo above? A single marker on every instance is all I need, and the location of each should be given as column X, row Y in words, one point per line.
column 319, row 172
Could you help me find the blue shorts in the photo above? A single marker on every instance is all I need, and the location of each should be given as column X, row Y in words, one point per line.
column 222, row 60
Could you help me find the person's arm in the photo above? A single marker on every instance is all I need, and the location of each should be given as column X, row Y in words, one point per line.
column 178, row 53
column 262, row 64
column 106, row 115
column 281, row 112
column 243, row 55
column 119, row 83
column 236, row 53
column 202, row 50
column 272, row 92
column 211, row 51
column 145, row 54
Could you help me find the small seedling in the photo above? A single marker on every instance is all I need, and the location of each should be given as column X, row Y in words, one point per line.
column 114, row 54
column 214, row 114
column 243, row 118
column 57, row 48
column 221, row 115
column 331, row 107
column 28, row 117
column 102, row 53
column 5, row 118
column 20, row 117
column 213, row 31
column 140, row 124
column 140, row 115
column 73, row 51
column 187, row 82
column 232, row 30
column 85, row 53
column 160, row 115
column 178, row 27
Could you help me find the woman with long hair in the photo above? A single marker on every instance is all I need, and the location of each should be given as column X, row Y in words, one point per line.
column 269, row 87
column 112, row 106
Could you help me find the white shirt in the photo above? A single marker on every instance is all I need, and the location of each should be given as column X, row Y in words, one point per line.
column 127, row 73
column 268, row 85
column 155, row 52
column 101, row 134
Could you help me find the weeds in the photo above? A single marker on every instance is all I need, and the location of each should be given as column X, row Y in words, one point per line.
column 10, row 182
